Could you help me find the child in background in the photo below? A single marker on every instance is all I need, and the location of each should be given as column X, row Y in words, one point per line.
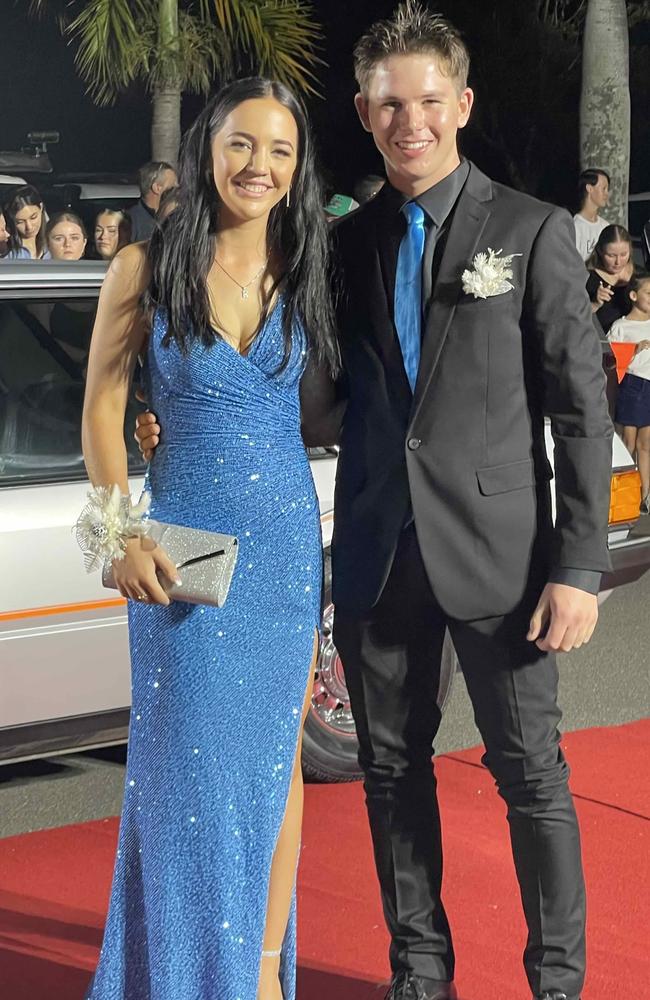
column 633, row 402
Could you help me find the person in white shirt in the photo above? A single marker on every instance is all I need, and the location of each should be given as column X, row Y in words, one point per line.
column 593, row 190
column 633, row 401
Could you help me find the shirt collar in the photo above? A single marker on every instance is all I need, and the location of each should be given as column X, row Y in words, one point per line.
column 438, row 200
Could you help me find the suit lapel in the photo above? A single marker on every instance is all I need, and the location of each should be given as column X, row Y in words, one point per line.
column 470, row 217
column 385, row 246
column 388, row 249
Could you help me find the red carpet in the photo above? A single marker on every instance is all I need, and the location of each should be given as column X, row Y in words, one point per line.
column 54, row 886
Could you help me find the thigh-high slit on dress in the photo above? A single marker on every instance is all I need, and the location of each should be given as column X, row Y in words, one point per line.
column 217, row 693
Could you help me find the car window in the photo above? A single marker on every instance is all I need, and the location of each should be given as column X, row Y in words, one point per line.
column 43, row 357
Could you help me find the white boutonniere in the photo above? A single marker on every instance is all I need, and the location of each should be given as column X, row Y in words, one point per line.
column 490, row 275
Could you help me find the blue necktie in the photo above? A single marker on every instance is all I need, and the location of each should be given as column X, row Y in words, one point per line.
column 408, row 290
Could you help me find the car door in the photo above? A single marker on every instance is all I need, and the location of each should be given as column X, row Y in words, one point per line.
column 64, row 665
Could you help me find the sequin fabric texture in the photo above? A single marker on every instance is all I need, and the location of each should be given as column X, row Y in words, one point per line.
column 217, row 692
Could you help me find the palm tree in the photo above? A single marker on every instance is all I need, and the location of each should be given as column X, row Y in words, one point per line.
column 605, row 99
column 177, row 46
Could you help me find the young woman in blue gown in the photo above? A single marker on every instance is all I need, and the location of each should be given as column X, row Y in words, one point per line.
column 230, row 305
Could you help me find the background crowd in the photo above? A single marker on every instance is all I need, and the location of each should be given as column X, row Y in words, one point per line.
column 620, row 299
column 618, row 287
column 28, row 232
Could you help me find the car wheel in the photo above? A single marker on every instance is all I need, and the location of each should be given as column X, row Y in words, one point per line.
column 330, row 748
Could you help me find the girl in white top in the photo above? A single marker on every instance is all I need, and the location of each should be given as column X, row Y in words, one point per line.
column 633, row 401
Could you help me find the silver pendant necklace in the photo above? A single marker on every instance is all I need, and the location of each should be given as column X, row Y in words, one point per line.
column 244, row 288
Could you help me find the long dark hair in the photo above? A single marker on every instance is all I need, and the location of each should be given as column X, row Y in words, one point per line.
column 182, row 249
column 23, row 196
column 610, row 234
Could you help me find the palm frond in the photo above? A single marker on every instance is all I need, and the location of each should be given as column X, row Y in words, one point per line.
column 116, row 41
column 119, row 41
column 194, row 58
column 278, row 38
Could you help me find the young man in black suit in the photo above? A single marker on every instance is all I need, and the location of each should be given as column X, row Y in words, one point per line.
column 443, row 510
column 464, row 322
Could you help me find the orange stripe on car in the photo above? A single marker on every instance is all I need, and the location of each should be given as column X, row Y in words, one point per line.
column 62, row 609
column 624, row 506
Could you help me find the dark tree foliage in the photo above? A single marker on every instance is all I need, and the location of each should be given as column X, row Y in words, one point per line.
column 526, row 74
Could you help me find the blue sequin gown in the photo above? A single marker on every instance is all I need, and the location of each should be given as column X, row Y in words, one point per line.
column 217, row 693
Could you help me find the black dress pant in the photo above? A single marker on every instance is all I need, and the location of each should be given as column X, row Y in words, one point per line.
column 391, row 655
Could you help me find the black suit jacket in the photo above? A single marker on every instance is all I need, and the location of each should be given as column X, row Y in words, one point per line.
column 466, row 451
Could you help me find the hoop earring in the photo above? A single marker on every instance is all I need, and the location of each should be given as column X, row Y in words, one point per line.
column 289, row 197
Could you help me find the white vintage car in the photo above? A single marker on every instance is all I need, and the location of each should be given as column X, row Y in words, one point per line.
column 64, row 663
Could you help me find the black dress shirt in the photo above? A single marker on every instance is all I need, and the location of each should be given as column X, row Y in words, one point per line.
column 438, row 203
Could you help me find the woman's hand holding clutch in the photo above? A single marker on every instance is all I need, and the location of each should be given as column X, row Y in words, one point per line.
column 136, row 573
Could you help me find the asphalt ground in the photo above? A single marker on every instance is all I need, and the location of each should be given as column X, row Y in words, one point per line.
column 605, row 683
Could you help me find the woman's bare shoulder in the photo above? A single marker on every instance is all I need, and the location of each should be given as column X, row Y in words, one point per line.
column 130, row 268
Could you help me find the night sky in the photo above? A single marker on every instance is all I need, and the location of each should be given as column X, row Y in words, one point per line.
column 42, row 92
column 45, row 93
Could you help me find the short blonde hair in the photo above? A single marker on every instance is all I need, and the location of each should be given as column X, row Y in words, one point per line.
column 412, row 29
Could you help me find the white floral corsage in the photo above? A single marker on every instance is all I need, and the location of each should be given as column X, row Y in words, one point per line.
column 490, row 275
column 105, row 524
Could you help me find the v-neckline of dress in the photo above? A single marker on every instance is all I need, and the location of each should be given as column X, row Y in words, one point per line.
column 258, row 336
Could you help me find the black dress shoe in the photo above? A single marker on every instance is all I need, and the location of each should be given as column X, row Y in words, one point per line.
column 408, row 986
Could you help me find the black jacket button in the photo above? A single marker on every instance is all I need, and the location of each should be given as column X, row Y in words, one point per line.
column 413, row 444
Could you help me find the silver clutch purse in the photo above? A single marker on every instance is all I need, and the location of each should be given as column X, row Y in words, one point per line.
column 205, row 561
